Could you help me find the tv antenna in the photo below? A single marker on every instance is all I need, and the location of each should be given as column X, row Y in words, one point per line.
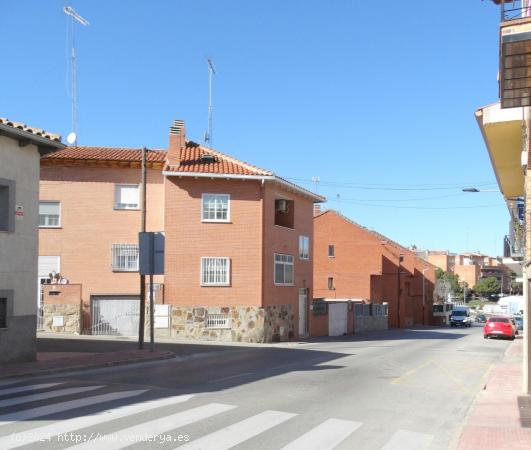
column 74, row 17
column 315, row 181
column 208, row 133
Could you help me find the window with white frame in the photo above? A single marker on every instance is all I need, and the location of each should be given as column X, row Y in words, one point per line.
column 215, row 208
column 127, row 196
column 304, row 247
column 215, row 271
column 125, row 257
column 283, row 269
column 49, row 214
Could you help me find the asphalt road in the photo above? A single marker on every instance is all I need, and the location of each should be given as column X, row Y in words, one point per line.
column 401, row 389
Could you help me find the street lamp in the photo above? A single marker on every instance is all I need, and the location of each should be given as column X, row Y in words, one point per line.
column 473, row 189
column 424, row 295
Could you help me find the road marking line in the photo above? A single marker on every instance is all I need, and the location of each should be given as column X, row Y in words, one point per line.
column 325, row 436
column 69, row 425
column 28, row 414
column 231, row 377
column 239, row 432
column 46, row 395
column 31, row 387
column 121, row 438
column 411, row 372
column 406, row 440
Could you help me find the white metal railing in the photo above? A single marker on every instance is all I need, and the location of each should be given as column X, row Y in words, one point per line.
column 218, row 321
column 125, row 257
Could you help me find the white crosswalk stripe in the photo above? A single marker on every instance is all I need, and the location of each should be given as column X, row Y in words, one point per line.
column 239, row 432
column 70, row 425
column 32, row 387
column 324, row 436
column 28, row 414
column 406, row 440
column 123, row 437
column 46, row 395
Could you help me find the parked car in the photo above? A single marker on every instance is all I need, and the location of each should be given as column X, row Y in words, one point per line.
column 481, row 318
column 519, row 322
column 499, row 327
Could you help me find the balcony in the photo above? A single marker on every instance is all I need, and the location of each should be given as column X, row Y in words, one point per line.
column 515, row 53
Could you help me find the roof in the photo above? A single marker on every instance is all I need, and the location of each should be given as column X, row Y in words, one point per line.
column 45, row 141
column 107, row 154
column 376, row 234
column 222, row 164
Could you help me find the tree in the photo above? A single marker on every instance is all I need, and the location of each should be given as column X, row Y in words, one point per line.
column 445, row 283
column 487, row 286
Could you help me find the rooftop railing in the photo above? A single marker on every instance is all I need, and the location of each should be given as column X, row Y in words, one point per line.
column 514, row 9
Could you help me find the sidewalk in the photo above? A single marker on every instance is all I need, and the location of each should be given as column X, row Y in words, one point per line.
column 500, row 418
column 52, row 362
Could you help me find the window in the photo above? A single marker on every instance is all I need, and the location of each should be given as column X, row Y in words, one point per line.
column 304, row 247
column 3, row 312
column 331, row 251
column 49, row 214
column 283, row 269
column 126, row 196
column 215, row 271
column 7, row 205
column 215, row 208
column 330, row 283
column 285, row 213
column 125, row 257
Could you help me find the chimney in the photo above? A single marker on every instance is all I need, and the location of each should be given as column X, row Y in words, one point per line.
column 177, row 142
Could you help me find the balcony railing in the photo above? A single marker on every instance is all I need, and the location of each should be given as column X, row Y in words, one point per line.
column 514, row 9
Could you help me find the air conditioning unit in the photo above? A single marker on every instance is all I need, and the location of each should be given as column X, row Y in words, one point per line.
column 281, row 205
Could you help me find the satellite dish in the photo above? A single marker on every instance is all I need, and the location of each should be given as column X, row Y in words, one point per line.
column 71, row 138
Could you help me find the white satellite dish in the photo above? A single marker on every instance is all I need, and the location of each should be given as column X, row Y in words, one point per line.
column 71, row 138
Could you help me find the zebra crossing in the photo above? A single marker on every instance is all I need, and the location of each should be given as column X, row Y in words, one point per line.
column 149, row 419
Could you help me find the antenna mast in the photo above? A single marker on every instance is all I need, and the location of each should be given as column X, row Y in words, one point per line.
column 74, row 16
column 211, row 71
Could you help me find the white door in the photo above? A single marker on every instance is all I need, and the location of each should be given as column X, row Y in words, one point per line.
column 337, row 319
column 303, row 305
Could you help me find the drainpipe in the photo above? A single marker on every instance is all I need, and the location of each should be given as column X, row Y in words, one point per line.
column 424, row 296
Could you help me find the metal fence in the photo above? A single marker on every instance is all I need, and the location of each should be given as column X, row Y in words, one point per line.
column 218, row 321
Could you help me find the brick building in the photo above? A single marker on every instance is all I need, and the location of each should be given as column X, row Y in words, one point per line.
column 238, row 260
column 352, row 262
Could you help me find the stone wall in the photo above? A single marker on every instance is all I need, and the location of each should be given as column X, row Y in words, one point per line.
column 71, row 318
column 279, row 323
column 246, row 323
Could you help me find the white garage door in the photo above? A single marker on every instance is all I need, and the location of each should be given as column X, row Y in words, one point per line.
column 337, row 319
column 115, row 315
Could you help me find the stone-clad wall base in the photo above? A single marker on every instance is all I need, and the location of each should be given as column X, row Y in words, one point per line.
column 18, row 340
column 247, row 323
column 70, row 313
column 279, row 323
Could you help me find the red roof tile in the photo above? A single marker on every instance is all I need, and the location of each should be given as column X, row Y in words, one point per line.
column 191, row 161
column 107, row 154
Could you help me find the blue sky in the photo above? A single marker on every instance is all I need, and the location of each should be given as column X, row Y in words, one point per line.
column 377, row 99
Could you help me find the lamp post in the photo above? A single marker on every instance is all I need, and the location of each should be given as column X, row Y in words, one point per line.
column 424, row 295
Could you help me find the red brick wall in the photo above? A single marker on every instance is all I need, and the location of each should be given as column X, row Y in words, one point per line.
column 90, row 224
column 67, row 294
column 365, row 266
column 188, row 239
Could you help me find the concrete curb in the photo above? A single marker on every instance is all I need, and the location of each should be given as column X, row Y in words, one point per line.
column 77, row 367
